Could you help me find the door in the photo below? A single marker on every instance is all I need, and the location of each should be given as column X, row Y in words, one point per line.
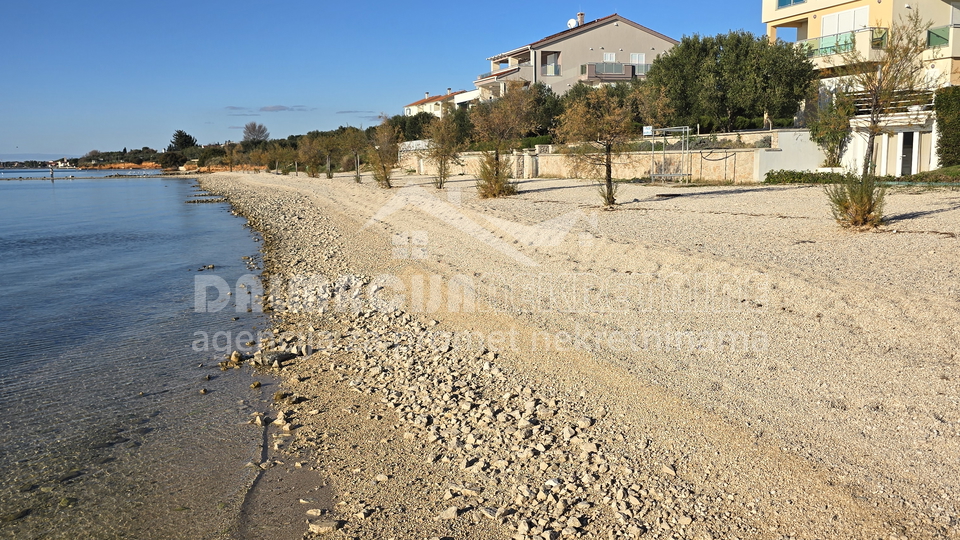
column 906, row 153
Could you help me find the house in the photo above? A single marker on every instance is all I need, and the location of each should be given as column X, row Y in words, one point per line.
column 827, row 28
column 432, row 104
column 606, row 50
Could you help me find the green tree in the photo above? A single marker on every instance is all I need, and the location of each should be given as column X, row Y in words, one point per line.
column 181, row 141
column 384, row 151
column 829, row 124
column 444, row 147
column 546, row 108
column 500, row 124
column 353, row 141
column 716, row 80
column 598, row 127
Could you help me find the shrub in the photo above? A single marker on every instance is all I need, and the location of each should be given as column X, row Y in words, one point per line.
column 947, row 106
column 856, row 202
column 802, row 177
column 493, row 177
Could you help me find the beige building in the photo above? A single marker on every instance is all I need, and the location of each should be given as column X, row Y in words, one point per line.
column 432, row 104
column 606, row 50
column 827, row 28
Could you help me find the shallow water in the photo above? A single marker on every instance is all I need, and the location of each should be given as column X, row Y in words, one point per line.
column 104, row 430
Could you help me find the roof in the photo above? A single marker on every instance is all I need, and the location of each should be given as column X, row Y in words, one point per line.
column 579, row 29
column 498, row 74
column 431, row 99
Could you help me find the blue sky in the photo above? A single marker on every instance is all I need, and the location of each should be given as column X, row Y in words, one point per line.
column 104, row 75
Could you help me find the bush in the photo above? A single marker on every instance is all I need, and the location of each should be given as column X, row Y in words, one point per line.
column 947, row 107
column 856, row 202
column 493, row 177
column 803, row 177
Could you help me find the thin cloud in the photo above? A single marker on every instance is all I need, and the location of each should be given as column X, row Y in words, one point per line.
column 283, row 108
column 355, row 112
column 235, row 108
column 244, row 114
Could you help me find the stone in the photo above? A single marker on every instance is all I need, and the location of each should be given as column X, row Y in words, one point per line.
column 324, row 527
column 584, row 422
column 450, row 513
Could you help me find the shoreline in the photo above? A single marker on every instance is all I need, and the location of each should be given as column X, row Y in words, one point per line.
column 525, row 442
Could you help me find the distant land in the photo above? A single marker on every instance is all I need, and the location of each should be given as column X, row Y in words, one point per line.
column 35, row 157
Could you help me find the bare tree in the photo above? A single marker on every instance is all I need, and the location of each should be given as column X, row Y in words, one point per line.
column 500, row 124
column 896, row 82
column 255, row 133
column 598, row 127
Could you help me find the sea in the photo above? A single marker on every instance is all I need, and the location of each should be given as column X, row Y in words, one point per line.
column 115, row 419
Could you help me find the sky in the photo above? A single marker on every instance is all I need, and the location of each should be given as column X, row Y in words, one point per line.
column 106, row 75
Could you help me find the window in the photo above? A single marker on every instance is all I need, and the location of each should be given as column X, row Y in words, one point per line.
column 638, row 58
column 788, row 3
column 609, row 57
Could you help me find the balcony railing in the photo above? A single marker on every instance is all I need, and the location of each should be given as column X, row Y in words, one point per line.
column 841, row 43
column 614, row 68
column 938, row 37
column 788, row 3
column 489, row 73
column 550, row 70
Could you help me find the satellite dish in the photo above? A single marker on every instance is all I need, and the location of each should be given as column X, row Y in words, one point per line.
column 572, row 23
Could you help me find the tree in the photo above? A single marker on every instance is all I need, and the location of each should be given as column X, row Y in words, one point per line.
column 653, row 105
column 384, row 151
column 172, row 160
column 412, row 128
column 600, row 121
column 546, row 108
column 829, row 125
column 353, row 141
column 255, row 133
column 896, row 81
column 500, row 124
column 714, row 81
column 444, row 147
column 181, row 141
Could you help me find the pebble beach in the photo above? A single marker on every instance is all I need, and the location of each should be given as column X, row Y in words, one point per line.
column 705, row 362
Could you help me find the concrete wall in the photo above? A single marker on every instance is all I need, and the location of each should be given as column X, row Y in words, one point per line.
column 742, row 165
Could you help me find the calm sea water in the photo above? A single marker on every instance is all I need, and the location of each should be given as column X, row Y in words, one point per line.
column 104, row 431
column 13, row 174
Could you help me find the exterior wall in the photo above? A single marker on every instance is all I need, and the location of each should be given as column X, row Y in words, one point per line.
column 613, row 36
column 747, row 165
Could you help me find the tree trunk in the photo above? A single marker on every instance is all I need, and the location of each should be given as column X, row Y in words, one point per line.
column 609, row 198
column 868, row 157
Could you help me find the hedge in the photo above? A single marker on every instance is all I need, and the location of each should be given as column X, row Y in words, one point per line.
column 947, row 107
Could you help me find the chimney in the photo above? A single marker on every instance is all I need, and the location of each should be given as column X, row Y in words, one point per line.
column 426, row 95
column 449, row 91
column 580, row 17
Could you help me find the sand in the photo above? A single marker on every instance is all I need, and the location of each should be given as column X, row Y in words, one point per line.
column 800, row 379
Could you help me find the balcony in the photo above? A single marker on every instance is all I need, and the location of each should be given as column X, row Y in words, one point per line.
column 868, row 41
column 611, row 71
column 501, row 70
column 550, row 70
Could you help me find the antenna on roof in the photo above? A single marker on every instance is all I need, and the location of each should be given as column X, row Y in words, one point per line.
column 572, row 23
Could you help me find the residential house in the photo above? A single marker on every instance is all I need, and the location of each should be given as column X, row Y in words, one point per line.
column 432, row 104
column 606, row 50
column 827, row 28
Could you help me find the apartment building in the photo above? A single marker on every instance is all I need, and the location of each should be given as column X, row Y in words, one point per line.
column 828, row 28
column 606, row 50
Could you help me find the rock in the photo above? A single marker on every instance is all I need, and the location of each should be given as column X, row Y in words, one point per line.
column 324, row 527
column 236, row 356
column 684, row 520
column 255, row 384
column 272, row 357
column 450, row 513
column 13, row 516
column 668, row 470
column 381, row 478
column 315, row 512
column 584, row 422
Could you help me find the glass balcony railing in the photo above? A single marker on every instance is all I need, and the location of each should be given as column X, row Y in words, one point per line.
column 841, row 43
column 614, row 68
column 550, row 70
column 938, row 37
column 788, row 3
